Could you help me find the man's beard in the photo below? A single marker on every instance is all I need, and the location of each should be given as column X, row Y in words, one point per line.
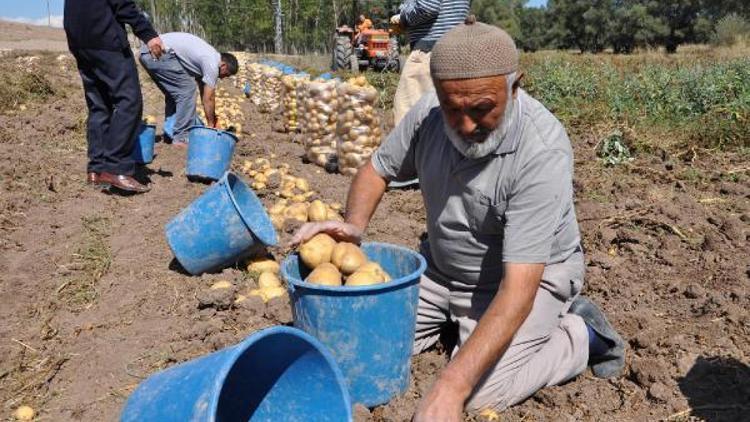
column 475, row 150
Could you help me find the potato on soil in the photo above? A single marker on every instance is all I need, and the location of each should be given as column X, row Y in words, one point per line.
column 317, row 211
column 297, row 212
column 317, row 250
column 326, row 274
column 368, row 274
column 24, row 413
column 263, row 265
column 268, row 280
column 222, row 284
column 348, row 257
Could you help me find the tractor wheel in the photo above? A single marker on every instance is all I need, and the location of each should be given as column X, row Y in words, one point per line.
column 342, row 53
column 394, row 56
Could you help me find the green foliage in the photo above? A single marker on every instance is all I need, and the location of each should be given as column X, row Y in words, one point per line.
column 730, row 29
column 705, row 104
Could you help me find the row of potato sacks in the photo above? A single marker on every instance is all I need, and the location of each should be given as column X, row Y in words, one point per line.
column 338, row 121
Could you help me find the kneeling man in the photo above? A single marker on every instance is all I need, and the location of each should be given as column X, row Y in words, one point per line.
column 503, row 249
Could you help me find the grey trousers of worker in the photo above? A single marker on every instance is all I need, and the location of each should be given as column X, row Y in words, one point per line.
column 179, row 89
column 550, row 348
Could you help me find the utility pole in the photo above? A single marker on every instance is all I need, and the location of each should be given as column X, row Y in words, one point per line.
column 49, row 15
column 278, row 41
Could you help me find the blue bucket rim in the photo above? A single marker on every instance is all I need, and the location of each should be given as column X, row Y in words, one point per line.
column 268, row 237
column 223, row 132
column 257, row 336
column 409, row 278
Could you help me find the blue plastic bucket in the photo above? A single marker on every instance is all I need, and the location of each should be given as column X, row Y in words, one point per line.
column 278, row 374
column 369, row 329
column 143, row 150
column 223, row 225
column 169, row 125
column 209, row 152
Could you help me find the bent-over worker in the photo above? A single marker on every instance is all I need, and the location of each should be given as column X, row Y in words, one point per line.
column 503, row 248
column 188, row 60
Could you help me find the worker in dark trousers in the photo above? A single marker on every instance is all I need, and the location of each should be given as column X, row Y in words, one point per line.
column 97, row 39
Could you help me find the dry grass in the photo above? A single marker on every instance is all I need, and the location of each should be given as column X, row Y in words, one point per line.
column 89, row 264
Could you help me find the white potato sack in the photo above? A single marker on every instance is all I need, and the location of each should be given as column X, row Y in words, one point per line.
column 358, row 129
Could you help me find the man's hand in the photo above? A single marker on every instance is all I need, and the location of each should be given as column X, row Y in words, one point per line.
column 342, row 232
column 396, row 20
column 156, row 47
column 443, row 403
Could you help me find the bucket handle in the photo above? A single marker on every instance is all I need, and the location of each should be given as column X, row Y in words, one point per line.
column 232, row 134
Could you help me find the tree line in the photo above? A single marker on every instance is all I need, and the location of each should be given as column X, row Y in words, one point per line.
column 307, row 26
column 622, row 25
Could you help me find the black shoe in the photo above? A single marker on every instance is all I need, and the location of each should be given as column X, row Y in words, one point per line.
column 612, row 362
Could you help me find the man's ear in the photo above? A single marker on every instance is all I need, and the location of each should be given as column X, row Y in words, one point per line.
column 517, row 83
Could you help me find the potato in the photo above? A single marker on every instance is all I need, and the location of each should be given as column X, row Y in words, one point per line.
column 24, row 413
column 368, row 274
column 268, row 279
column 222, row 284
column 277, row 221
column 317, row 211
column 348, row 257
column 317, row 250
column 326, row 274
column 352, row 260
column 302, row 184
column 297, row 212
column 272, row 292
column 332, row 215
column 150, row 120
column 263, row 265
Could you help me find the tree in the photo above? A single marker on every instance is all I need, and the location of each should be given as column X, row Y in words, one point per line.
column 679, row 17
column 632, row 26
column 581, row 23
column 534, row 29
column 501, row 13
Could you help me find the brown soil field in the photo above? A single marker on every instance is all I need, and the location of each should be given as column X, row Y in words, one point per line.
column 91, row 303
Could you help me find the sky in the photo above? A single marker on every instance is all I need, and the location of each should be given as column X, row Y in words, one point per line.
column 35, row 11
column 32, row 11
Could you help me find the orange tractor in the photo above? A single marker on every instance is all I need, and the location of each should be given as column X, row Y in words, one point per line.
column 376, row 49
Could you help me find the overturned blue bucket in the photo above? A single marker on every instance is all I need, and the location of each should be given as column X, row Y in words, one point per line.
column 209, row 152
column 225, row 224
column 369, row 329
column 278, row 374
column 143, row 150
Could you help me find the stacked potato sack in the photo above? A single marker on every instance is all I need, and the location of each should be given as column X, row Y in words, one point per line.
column 254, row 77
column 269, row 90
column 320, row 111
column 358, row 130
column 289, row 100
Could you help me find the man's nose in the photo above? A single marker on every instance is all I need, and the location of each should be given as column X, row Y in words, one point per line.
column 466, row 126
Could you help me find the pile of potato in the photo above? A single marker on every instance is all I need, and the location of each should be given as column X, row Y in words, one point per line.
column 269, row 90
column 319, row 103
column 296, row 200
column 266, row 272
column 358, row 129
column 289, row 100
column 303, row 212
column 337, row 264
column 228, row 111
